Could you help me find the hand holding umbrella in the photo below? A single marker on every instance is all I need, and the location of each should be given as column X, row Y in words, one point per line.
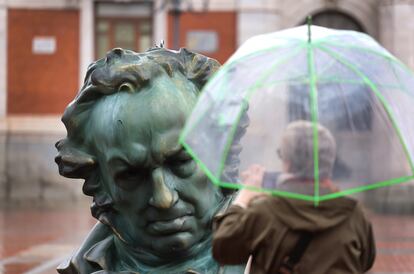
column 252, row 177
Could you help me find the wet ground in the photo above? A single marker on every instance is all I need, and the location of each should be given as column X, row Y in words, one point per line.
column 35, row 241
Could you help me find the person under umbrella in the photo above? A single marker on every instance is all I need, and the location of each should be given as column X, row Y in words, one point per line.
column 293, row 236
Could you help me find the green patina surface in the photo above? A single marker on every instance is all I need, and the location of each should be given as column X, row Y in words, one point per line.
column 154, row 203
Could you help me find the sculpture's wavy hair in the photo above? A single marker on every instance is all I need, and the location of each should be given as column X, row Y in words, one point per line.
column 126, row 71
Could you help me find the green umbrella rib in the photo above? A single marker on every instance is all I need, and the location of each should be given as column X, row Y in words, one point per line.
column 366, row 187
column 223, row 71
column 313, row 93
column 314, row 117
column 379, row 96
column 217, row 182
column 250, row 93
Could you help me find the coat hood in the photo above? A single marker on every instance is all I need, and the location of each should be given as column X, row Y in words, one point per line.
column 304, row 215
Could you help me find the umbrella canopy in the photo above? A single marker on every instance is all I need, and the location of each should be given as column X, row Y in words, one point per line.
column 325, row 112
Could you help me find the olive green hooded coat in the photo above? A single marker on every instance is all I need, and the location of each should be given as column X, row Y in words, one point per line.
column 269, row 228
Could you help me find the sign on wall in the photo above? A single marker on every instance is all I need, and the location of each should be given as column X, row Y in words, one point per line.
column 202, row 41
column 44, row 45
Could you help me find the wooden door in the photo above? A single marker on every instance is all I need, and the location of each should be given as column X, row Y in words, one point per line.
column 127, row 33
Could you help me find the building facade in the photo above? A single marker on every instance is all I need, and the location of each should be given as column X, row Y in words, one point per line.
column 46, row 46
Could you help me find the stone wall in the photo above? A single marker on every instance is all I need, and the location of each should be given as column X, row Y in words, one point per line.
column 396, row 24
column 31, row 173
column 37, row 82
column 28, row 173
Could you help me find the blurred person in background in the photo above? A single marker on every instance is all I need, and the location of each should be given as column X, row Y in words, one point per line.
column 294, row 236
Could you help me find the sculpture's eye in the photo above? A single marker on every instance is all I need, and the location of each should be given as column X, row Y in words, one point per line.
column 129, row 178
column 127, row 87
column 183, row 168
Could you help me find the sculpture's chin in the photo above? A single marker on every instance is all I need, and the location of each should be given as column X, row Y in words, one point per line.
column 163, row 250
column 178, row 244
column 168, row 244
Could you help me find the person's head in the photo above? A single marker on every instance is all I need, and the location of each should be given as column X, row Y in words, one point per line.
column 123, row 130
column 297, row 150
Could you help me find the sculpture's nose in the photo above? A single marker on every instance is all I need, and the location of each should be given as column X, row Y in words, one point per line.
column 163, row 196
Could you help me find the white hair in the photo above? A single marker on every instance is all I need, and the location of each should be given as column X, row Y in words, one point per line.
column 297, row 149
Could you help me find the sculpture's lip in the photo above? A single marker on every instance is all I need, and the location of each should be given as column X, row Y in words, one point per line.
column 98, row 209
column 172, row 226
column 167, row 215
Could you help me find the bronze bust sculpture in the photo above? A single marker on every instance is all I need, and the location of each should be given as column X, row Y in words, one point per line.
column 153, row 202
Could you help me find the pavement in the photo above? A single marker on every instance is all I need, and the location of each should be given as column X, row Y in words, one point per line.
column 394, row 237
column 36, row 241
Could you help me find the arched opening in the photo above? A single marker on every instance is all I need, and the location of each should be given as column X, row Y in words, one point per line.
column 336, row 20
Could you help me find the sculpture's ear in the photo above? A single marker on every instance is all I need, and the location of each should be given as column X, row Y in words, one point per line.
column 89, row 71
column 72, row 162
column 199, row 67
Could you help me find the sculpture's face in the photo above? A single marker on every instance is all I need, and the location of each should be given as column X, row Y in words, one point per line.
column 160, row 200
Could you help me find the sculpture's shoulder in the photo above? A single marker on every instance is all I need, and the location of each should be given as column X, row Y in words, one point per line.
column 96, row 256
column 78, row 263
column 75, row 265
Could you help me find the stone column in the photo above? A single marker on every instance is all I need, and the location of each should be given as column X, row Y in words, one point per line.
column 159, row 22
column 396, row 34
column 3, row 98
column 256, row 17
column 3, row 59
column 396, row 21
column 86, row 39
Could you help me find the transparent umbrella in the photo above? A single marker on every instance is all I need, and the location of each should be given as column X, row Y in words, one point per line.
column 316, row 78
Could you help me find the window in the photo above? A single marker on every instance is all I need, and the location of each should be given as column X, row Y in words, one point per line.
column 124, row 25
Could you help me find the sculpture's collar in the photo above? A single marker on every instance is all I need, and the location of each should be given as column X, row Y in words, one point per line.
column 104, row 254
column 111, row 254
column 101, row 253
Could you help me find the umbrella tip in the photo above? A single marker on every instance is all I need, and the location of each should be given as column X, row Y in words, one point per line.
column 309, row 23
